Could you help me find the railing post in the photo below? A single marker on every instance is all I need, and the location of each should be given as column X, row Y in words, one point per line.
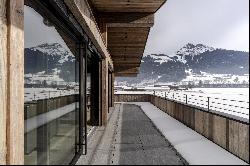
column 208, row 102
column 34, row 95
column 186, row 99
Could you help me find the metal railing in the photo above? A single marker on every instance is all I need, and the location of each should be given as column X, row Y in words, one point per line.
column 230, row 106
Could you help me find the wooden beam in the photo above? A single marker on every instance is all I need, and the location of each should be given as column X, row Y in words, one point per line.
column 128, row 63
column 126, row 75
column 132, row 59
column 133, row 18
column 109, row 90
column 127, row 47
column 129, row 30
column 83, row 13
column 124, row 64
column 127, row 5
column 132, row 49
column 122, row 57
column 121, row 52
column 122, row 69
column 126, row 55
column 15, row 82
column 113, row 89
column 103, row 30
column 127, row 19
column 134, row 44
column 140, row 39
column 3, row 81
column 104, row 92
column 130, row 25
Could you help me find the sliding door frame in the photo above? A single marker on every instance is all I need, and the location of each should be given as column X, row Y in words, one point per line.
column 58, row 13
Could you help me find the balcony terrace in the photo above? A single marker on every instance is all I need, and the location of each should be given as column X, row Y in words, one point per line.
column 51, row 98
column 174, row 133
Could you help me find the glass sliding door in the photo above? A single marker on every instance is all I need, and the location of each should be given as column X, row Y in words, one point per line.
column 53, row 110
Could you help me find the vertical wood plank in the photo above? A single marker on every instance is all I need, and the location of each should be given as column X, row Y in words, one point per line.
column 244, row 142
column 15, row 82
column 233, row 136
column 192, row 118
column 207, row 124
column 219, row 131
column 199, row 121
column 186, row 116
column 3, row 80
column 104, row 93
column 113, row 89
column 103, row 30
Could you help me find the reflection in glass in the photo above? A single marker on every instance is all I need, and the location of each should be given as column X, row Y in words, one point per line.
column 51, row 93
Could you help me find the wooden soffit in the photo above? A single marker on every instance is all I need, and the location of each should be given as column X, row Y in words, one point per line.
column 142, row 6
column 126, row 47
column 125, row 26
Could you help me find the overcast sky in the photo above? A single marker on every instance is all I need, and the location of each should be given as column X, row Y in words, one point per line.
column 217, row 23
column 36, row 32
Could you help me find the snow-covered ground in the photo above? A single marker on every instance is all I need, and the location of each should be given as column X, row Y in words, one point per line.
column 31, row 94
column 233, row 101
column 196, row 149
column 208, row 78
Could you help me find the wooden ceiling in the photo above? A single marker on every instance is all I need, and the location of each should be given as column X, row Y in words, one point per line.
column 125, row 25
column 149, row 6
column 126, row 46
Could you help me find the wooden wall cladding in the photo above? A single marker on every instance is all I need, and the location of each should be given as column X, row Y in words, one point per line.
column 3, row 81
column 239, row 139
column 11, row 82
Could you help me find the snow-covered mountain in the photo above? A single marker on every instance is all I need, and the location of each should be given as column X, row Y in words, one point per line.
column 55, row 49
column 191, row 60
column 51, row 61
column 191, row 50
column 185, row 54
column 47, row 61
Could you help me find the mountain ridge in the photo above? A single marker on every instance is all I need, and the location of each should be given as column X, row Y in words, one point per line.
column 197, row 58
column 189, row 63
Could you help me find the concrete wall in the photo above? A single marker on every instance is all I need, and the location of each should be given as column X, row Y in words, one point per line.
column 229, row 133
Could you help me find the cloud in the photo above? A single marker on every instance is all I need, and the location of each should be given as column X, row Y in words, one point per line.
column 217, row 23
column 36, row 32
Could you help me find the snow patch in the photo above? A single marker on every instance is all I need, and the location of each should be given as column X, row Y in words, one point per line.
column 196, row 149
column 193, row 50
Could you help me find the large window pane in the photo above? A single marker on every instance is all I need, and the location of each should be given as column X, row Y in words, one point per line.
column 51, row 92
